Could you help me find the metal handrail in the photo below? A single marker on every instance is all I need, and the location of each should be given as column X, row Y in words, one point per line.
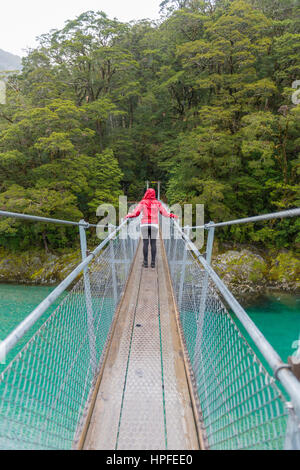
column 257, row 218
column 36, row 218
column 18, row 333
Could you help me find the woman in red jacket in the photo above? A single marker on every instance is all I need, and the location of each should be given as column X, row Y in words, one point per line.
column 149, row 206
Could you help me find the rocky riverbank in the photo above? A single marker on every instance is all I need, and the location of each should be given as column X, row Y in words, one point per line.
column 37, row 267
column 248, row 273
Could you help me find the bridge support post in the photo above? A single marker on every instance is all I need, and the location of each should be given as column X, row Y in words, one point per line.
column 88, row 297
column 113, row 268
column 175, row 240
column 171, row 236
column 200, row 319
column 210, row 242
column 292, row 439
column 132, row 244
column 126, row 259
column 182, row 276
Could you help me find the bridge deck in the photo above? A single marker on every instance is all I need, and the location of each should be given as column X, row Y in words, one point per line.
column 143, row 401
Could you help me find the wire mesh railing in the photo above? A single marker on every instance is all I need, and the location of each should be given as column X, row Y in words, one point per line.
column 241, row 405
column 46, row 389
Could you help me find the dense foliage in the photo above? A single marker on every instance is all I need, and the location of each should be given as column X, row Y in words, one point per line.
column 202, row 101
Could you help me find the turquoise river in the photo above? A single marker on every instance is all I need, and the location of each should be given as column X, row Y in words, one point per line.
column 277, row 316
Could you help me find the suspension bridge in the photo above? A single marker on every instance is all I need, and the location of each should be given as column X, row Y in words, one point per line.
column 136, row 358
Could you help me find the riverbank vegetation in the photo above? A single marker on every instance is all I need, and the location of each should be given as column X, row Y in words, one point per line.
column 249, row 273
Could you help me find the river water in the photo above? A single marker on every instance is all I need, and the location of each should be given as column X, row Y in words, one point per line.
column 277, row 316
column 16, row 302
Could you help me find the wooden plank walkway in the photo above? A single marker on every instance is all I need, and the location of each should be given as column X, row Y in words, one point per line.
column 143, row 401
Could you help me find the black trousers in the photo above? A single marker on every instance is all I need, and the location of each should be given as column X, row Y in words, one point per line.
column 149, row 235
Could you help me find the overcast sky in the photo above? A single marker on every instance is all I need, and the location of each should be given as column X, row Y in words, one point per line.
column 22, row 20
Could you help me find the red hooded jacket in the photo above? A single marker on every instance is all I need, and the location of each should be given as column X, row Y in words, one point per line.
column 149, row 207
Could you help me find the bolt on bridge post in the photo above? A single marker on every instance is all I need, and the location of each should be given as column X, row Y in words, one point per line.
column 88, row 297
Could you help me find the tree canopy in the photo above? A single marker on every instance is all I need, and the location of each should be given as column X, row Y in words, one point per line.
column 201, row 100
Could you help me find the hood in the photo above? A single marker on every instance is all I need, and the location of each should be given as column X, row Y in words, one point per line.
column 149, row 194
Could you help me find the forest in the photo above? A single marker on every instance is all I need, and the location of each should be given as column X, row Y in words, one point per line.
column 205, row 100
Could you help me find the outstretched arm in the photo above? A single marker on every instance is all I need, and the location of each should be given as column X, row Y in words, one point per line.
column 163, row 212
column 135, row 213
